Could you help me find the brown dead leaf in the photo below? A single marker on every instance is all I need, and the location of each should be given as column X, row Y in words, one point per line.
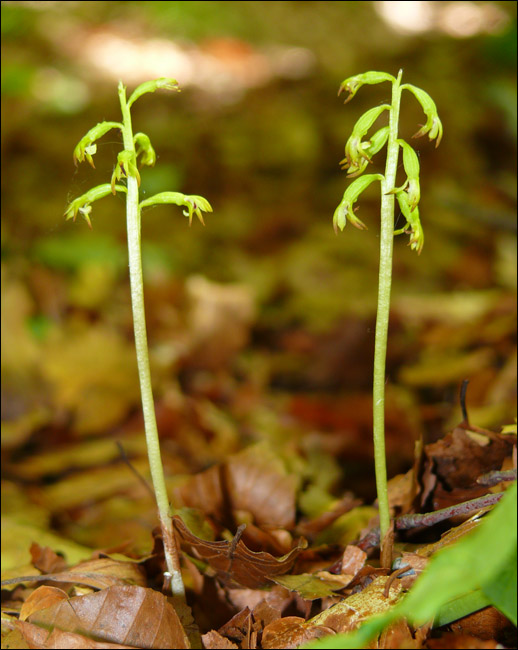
column 264, row 614
column 39, row 637
column 130, row 615
column 46, row 560
column 397, row 635
column 291, row 632
column 236, row 562
column 486, row 624
column 277, row 597
column 184, row 613
column 253, row 481
column 238, row 627
column 114, row 572
column 215, row 641
column 43, row 597
column 98, row 574
column 351, row 611
column 353, row 560
column 460, row 458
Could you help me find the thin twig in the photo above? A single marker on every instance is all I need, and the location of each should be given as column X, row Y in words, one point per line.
column 407, row 522
column 495, row 477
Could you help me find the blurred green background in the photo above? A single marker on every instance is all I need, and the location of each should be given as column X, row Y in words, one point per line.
column 259, row 131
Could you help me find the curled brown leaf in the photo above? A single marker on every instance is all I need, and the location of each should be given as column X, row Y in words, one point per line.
column 235, row 563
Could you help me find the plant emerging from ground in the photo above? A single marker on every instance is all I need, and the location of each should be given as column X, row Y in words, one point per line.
column 138, row 149
column 359, row 151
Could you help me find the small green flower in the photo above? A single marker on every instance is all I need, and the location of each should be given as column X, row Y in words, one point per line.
column 433, row 126
column 413, row 227
column 370, row 148
column 345, row 210
column 144, row 149
column 85, row 148
column 82, row 204
column 356, row 151
column 166, row 83
column 126, row 166
column 411, row 166
column 194, row 204
column 353, row 84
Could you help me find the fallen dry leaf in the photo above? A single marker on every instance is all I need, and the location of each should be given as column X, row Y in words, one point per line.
column 41, row 598
column 130, row 615
column 235, row 562
column 291, row 632
column 459, row 458
column 350, row 612
column 353, row 560
column 39, row 637
column 486, row 624
column 46, row 560
column 238, row 628
column 264, row 614
column 397, row 635
column 213, row 640
column 98, row 574
column 253, row 481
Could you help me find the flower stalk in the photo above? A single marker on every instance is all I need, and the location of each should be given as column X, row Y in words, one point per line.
column 126, row 169
column 359, row 154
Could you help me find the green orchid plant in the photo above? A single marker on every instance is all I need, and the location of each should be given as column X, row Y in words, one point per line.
column 137, row 149
column 359, row 151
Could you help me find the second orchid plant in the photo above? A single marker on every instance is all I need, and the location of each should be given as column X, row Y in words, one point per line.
column 359, row 150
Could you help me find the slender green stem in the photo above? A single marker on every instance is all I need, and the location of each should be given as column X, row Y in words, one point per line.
column 139, row 324
column 382, row 319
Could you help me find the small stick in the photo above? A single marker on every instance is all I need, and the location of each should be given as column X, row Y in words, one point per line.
column 495, row 477
column 406, row 522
